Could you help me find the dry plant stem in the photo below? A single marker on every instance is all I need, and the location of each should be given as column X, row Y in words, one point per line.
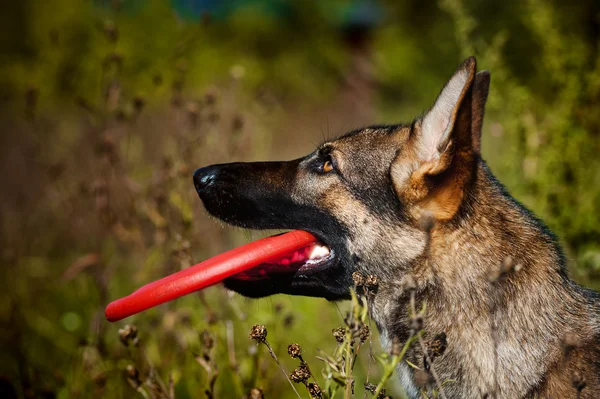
column 209, row 311
column 213, row 373
column 391, row 367
column 239, row 385
column 424, row 349
column 152, row 370
column 281, row 367
column 306, row 364
column 143, row 392
column 157, row 376
column 171, row 386
column 255, row 366
column 370, row 355
column 348, row 365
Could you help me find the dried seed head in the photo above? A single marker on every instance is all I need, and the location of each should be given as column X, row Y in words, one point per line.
column 507, row 264
column 193, row 112
column 288, row 320
column 132, row 372
column 210, row 97
column 106, row 145
column 507, row 267
column 422, row 378
column 121, row 115
column 371, row 281
column 417, row 323
column 359, row 279
column 578, row 382
column 128, row 334
column 314, row 390
column 295, row 351
column 214, row 117
column 364, row 333
column 133, row 376
column 437, row 346
column 494, row 274
column 112, row 58
column 211, row 318
column 370, row 387
column 426, row 222
column 138, row 104
column 396, row 347
column 237, row 123
column 350, row 322
column 339, row 334
column 185, row 318
column 258, row 333
column 408, row 283
column 569, row 343
column 176, row 100
column 208, row 341
column 167, row 164
column 256, row 393
column 111, row 32
column 83, row 103
column 301, row 374
column 100, row 380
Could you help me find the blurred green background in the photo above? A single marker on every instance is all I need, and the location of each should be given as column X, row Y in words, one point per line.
column 107, row 107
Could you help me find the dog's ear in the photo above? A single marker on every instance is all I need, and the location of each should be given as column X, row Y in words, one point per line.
column 481, row 88
column 433, row 169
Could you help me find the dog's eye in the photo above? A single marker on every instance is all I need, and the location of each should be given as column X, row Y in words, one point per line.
column 327, row 166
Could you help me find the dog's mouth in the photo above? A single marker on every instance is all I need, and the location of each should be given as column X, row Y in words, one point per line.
column 265, row 263
column 299, row 263
column 257, row 196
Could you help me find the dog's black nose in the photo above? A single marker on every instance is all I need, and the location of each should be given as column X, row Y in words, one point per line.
column 204, row 177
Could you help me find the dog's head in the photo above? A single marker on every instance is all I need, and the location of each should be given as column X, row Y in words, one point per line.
column 362, row 195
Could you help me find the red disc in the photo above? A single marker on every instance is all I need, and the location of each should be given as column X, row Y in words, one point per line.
column 208, row 273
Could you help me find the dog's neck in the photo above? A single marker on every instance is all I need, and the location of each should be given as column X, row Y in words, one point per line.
column 471, row 297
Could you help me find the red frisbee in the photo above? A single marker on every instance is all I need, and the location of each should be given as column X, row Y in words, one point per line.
column 209, row 272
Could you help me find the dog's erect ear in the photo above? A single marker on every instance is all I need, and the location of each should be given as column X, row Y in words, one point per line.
column 481, row 88
column 434, row 171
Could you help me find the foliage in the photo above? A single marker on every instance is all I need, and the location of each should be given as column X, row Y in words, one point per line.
column 106, row 111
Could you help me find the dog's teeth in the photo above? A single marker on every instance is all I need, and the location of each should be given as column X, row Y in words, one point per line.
column 319, row 251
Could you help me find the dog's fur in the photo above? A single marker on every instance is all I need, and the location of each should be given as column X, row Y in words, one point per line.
column 530, row 333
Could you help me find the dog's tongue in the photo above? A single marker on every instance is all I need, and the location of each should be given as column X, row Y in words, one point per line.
column 212, row 271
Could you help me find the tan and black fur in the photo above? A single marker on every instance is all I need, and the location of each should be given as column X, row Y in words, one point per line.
column 532, row 333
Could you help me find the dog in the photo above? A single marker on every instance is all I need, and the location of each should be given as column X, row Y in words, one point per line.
column 416, row 206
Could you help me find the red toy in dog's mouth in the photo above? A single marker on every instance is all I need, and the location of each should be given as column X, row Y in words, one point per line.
column 297, row 252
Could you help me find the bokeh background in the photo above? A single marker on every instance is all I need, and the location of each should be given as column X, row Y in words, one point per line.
column 107, row 107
